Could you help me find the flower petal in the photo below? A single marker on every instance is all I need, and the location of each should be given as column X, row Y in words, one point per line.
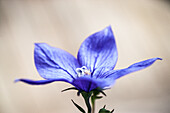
column 99, row 50
column 87, row 83
column 115, row 74
column 39, row 82
column 54, row 63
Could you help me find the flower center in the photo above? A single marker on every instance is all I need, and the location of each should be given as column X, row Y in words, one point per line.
column 83, row 71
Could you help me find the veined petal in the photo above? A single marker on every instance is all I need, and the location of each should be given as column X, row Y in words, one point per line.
column 115, row 74
column 87, row 83
column 99, row 50
column 53, row 63
column 39, row 82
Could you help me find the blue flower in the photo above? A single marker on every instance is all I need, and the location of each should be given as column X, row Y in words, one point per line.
column 93, row 68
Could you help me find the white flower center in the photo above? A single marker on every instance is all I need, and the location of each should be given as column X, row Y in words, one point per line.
column 82, row 71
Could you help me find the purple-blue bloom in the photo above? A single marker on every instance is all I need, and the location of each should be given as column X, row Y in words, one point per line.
column 93, row 68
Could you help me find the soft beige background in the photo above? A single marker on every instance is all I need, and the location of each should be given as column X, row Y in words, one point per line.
column 141, row 28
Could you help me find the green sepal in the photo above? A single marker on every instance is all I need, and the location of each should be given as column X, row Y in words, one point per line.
column 97, row 91
column 79, row 92
column 71, row 88
column 103, row 93
column 79, row 107
column 98, row 97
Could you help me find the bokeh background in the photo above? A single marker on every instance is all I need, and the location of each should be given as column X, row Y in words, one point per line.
column 141, row 29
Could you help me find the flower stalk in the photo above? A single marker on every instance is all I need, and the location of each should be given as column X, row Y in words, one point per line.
column 92, row 95
column 86, row 97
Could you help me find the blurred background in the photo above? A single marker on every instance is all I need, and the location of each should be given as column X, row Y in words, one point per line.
column 141, row 29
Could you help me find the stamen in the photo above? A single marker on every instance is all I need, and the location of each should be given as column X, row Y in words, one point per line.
column 84, row 68
column 87, row 72
column 82, row 71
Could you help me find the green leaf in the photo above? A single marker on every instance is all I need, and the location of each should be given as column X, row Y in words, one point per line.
column 80, row 108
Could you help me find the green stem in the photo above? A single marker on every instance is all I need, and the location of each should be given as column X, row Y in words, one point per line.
column 88, row 105
column 93, row 108
column 86, row 97
column 93, row 103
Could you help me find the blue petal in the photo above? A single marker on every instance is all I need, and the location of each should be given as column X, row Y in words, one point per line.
column 54, row 63
column 87, row 83
column 39, row 82
column 115, row 74
column 99, row 50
